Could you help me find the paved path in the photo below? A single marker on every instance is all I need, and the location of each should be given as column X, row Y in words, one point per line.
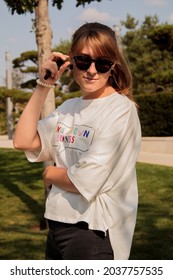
column 5, row 142
column 153, row 158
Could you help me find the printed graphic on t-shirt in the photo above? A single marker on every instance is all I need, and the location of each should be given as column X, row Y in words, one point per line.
column 78, row 137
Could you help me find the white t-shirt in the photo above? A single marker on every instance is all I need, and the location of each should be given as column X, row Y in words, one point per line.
column 98, row 141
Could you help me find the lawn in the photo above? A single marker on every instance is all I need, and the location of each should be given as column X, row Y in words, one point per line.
column 22, row 208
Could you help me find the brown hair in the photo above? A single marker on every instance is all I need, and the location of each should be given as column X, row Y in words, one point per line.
column 103, row 40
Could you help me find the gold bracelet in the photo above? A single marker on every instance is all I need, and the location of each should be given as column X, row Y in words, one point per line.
column 40, row 83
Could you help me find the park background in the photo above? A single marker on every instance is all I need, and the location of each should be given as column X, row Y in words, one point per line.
column 145, row 32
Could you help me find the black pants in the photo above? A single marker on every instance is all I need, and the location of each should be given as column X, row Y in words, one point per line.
column 76, row 242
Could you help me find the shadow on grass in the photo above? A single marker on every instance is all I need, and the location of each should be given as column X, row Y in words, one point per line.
column 30, row 246
column 17, row 174
column 34, row 207
column 27, row 253
column 22, row 207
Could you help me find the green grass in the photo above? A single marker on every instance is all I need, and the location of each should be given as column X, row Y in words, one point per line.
column 153, row 238
column 22, row 208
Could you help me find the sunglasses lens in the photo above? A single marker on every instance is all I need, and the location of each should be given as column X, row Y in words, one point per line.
column 84, row 62
column 103, row 65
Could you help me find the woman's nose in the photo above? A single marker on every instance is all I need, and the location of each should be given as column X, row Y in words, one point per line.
column 92, row 69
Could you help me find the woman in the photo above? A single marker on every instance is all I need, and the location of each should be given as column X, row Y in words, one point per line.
column 94, row 141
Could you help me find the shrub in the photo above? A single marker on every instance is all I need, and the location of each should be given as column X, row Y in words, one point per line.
column 156, row 114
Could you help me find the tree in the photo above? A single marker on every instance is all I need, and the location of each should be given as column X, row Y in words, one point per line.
column 27, row 63
column 130, row 22
column 150, row 55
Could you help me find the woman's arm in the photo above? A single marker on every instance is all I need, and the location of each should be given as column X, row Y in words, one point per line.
column 58, row 177
column 26, row 136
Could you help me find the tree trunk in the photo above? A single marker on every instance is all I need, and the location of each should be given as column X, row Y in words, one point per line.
column 44, row 41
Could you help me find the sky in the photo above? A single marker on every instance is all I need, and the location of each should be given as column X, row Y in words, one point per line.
column 15, row 31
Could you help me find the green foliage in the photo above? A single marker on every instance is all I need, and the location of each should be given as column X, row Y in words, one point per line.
column 63, row 46
column 28, row 56
column 59, row 3
column 23, row 64
column 83, row 2
column 149, row 23
column 17, row 96
column 162, row 36
column 130, row 22
column 156, row 114
column 29, row 84
column 60, row 97
column 24, row 6
column 21, row 6
column 150, row 55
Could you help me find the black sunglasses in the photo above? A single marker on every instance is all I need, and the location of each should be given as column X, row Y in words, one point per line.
column 83, row 62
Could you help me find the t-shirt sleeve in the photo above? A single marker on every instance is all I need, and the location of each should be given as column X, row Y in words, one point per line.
column 115, row 146
column 45, row 130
